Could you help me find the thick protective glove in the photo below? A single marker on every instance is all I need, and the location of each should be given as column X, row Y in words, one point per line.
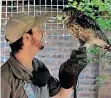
column 70, row 70
column 40, row 74
column 54, row 86
column 40, row 77
column 80, row 57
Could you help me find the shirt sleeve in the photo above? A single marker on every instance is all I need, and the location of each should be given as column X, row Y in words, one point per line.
column 54, row 86
column 6, row 89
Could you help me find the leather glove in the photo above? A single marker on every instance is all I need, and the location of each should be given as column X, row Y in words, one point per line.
column 70, row 69
column 80, row 58
column 40, row 77
column 54, row 86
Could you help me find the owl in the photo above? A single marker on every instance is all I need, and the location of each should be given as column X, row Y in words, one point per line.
column 85, row 28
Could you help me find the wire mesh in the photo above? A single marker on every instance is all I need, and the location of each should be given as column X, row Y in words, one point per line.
column 58, row 42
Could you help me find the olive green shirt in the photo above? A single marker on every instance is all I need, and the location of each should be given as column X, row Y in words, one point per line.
column 13, row 75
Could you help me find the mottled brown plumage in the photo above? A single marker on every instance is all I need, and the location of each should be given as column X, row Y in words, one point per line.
column 84, row 28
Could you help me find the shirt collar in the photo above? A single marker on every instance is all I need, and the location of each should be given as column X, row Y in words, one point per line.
column 19, row 70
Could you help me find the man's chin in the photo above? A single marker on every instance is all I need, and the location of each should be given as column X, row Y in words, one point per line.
column 41, row 48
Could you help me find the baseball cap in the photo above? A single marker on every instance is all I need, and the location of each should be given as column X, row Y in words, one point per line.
column 21, row 23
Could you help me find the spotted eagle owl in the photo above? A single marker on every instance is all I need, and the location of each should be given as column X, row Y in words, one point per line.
column 85, row 28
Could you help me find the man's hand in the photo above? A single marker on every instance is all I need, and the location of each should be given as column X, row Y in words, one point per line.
column 80, row 58
column 70, row 69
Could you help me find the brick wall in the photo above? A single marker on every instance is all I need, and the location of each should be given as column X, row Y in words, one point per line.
column 58, row 45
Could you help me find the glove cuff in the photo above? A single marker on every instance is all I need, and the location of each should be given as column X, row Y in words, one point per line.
column 66, row 79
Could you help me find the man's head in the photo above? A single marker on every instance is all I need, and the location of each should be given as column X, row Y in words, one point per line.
column 23, row 32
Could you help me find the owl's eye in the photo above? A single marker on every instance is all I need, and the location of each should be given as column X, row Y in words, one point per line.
column 67, row 13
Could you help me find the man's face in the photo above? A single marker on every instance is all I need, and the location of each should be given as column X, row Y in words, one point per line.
column 37, row 38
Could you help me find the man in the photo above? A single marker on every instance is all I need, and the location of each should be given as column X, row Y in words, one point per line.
column 22, row 75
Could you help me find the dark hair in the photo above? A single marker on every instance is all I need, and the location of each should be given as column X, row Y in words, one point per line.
column 16, row 46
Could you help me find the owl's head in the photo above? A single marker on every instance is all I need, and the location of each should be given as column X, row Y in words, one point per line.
column 67, row 13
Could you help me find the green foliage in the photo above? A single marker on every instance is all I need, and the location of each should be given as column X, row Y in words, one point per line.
column 59, row 17
column 97, row 9
column 100, row 80
column 94, row 50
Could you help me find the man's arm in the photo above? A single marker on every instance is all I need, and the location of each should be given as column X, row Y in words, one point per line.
column 64, row 93
column 69, row 72
column 56, row 91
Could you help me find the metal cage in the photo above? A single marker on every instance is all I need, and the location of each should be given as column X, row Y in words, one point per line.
column 58, row 42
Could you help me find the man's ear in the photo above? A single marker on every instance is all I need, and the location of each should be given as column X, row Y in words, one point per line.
column 27, row 37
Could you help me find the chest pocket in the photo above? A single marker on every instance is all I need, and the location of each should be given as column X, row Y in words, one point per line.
column 40, row 92
column 28, row 90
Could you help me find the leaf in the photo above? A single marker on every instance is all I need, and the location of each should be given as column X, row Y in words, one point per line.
column 70, row 0
column 59, row 17
column 74, row 3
